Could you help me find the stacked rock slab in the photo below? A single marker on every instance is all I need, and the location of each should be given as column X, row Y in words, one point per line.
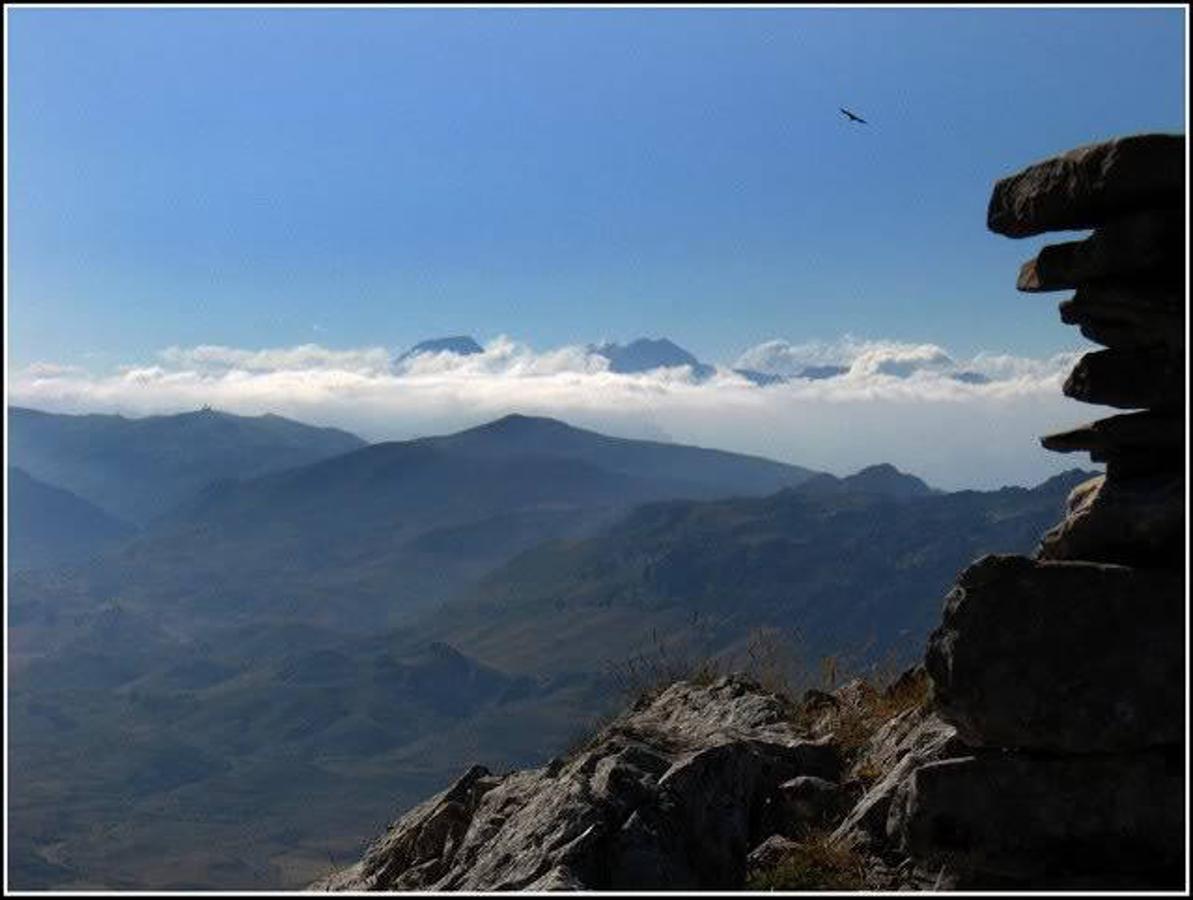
column 1065, row 672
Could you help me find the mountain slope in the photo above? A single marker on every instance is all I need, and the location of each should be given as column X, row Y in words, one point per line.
column 49, row 526
column 136, row 469
column 370, row 537
column 855, row 571
column 704, row 472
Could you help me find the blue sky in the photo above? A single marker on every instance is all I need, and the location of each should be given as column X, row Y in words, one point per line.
column 264, row 178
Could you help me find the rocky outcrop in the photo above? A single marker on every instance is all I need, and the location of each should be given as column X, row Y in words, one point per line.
column 1064, row 673
column 1061, row 657
column 1091, row 185
column 1016, row 820
column 911, row 739
column 674, row 794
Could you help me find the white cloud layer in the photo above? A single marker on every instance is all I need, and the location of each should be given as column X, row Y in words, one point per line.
column 897, row 403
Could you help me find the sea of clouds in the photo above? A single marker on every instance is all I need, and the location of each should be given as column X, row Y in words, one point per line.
column 898, row 402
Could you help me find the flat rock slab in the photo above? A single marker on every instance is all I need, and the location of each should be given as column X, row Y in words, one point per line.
column 1127, row 314
column 1137, row 445
column 1144, row 378
column 1069, row 657
column 1005, row 820
column 1116, row 435
column 1147, row 245
column 1136, row 521
column 1084, row 187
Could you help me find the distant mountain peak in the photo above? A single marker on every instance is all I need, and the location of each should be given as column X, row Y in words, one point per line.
column 882, row 478
column 459, row 344
column 886, row 479
column 520, row 422
column 647, row 354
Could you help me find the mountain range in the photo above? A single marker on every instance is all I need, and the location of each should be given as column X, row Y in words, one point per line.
column 648, row 354
column 390, row 529
column 257, row 676
column 137, row 468
column 639, row 355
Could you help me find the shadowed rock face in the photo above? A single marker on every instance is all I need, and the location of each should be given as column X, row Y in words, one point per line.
column 1065, row 673
column 671, row 795
column 1067, row 821
column 1084, row 187
column 1063, row 657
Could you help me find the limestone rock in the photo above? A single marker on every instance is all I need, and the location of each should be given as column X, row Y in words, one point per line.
column 1157, row 434
column 673, row 794
column 1128, row 379
column 1007, row 819
column 1146, row 245
column 1128, row 313
column 1068, row 657
column 808, row 802
column 1131, row 521
column 909, row 740
column 1082, row 188
column 769, row 854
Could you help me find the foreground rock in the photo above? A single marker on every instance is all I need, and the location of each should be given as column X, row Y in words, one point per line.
column 673, row 795
column 911, row 739
column 1084, row 187
column 1133, row 521
column 1091, row 821
column 1061, row 656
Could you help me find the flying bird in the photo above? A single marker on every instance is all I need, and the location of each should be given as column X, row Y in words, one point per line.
column 852, row 117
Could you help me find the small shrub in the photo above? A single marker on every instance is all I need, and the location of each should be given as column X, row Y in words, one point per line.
column 815, row 864
column 856, row 712
column 867, row 773
column 642, row 677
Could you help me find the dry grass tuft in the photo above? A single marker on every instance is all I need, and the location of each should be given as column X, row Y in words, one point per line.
column 815, row 864
column 859, row 708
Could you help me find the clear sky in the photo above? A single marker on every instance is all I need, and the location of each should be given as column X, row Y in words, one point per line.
column 272, row 177
column 256, row 209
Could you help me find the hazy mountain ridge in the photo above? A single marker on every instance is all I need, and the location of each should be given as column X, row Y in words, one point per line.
column 49, row 526
column 390, row 529
column 857, row 572
column 136, row 469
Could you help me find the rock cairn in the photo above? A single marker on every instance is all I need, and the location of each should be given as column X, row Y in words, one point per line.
column 1064, row 672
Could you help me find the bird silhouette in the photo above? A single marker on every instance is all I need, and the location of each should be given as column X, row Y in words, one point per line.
column 851, row 116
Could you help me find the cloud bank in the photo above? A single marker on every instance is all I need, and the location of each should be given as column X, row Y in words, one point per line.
column 896, row 402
